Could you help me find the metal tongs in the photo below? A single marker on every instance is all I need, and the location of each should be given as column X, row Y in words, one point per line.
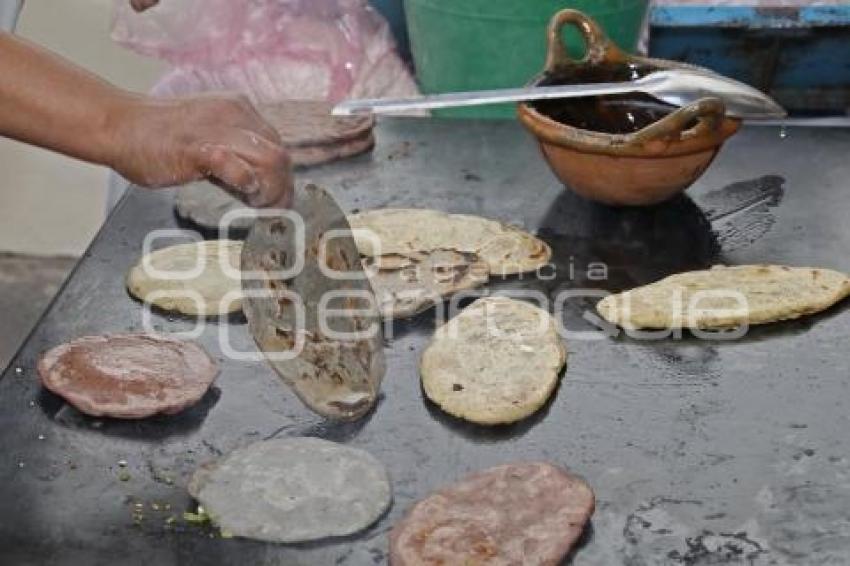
column 678, row 87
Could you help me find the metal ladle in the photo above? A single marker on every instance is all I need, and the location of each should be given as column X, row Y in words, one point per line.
column 678, row 87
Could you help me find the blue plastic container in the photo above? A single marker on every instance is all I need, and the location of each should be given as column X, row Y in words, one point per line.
column 799, row 55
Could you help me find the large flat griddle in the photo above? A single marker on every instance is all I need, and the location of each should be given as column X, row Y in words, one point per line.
column 693, row 447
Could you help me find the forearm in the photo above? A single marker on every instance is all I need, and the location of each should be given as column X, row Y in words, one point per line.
column 49, row 102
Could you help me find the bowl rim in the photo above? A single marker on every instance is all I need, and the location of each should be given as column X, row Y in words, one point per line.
column 672, row 135
column 665, row 137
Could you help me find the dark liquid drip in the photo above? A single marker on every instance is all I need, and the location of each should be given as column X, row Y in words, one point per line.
column 614, row 114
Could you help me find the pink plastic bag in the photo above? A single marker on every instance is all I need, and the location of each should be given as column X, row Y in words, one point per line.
column 269, row 50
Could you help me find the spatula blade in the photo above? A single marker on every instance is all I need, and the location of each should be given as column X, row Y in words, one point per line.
column 311, row 308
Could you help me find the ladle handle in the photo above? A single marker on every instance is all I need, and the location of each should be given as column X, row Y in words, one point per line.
column 599, row 49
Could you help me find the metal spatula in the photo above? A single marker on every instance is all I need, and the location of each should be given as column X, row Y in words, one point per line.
column 678, row 87
column 306, row 298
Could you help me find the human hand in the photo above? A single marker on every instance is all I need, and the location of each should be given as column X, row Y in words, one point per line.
column 167, row 142
column 142, row 5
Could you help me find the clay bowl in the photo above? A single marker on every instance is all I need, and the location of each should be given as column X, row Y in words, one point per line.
column 622, row 149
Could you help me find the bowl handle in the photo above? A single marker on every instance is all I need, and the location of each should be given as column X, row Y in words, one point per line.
column 708, row 112
column 599, row 49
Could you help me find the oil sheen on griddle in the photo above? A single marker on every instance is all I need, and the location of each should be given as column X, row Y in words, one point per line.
column 610, row 114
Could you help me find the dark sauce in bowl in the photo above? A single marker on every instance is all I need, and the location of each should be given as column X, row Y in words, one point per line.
column 614, row 114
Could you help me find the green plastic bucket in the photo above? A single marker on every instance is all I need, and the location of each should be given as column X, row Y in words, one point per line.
column 461, row 45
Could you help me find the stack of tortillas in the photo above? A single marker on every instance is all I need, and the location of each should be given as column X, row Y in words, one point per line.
column 727, row 297
column 442, row 253
column 514, row 514
column 293, row 490
column 198, row 279
column 496, row 362
column 310, row 135
column 128, row 376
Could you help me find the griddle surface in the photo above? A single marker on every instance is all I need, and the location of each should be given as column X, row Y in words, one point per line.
column 697, row 450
